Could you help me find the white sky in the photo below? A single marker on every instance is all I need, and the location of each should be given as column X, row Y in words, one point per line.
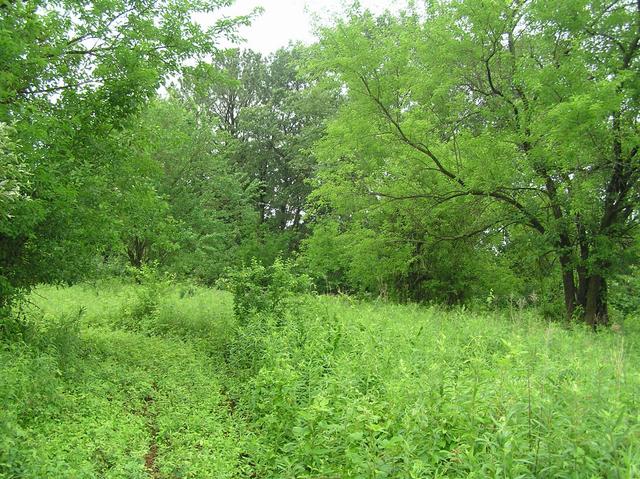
column 289, row 20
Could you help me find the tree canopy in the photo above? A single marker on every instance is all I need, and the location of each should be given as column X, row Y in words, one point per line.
column 455, row 151
column 73, row 74
column 517, row 119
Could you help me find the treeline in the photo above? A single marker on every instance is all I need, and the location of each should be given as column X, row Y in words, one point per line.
column 463, row 152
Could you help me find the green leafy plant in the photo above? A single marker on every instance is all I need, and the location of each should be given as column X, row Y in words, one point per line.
column 142, row 309
column 625, row 295
column 264, row 289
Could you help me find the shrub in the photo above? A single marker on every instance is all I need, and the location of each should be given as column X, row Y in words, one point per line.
column 142, row 309
column 259, row 289
column 625, row 293
column 14, row 325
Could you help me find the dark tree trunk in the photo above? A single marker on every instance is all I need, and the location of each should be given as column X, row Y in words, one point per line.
column 582, row 266
column 565, row 246
column 569, row 287
column 583, row 283
column 596, row 310
column 568, row 272
column 296, row 218
column 137, row 251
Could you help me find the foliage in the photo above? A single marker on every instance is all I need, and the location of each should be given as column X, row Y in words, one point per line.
column 72, row 75
column 121, row 395
column 15, row 176
column 330, row 387
column 268, row 112
column 385, row 391
column 626, row 293
column 477, row 154
column 387, row 253
column 19, row 211
column 142, row 308
column 189, row 210
column 422, row 155
column 264, row 289
column 494, row 119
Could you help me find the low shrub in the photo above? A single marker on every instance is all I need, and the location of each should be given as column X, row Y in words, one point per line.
column 141, row 310
column 263, row 289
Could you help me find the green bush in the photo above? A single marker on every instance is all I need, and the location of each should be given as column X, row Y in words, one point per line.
column 625, row 293
column 264, row 289
column 142, row 309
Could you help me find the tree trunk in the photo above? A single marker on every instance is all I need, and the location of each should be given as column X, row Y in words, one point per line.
column 569, row 287
column 568, row 280
column 596, row 310
column 583, row 275
column 137, row 252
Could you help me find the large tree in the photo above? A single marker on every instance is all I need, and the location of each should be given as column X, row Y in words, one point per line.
column 524, row 112
column 190, row 209
column 272, row 111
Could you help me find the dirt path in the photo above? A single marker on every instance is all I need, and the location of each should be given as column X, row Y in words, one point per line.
column 152, row 454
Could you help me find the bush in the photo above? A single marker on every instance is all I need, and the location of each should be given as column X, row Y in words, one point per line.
column 142, row 309
column 259, row 289
column 14, row 325
column 625, row 293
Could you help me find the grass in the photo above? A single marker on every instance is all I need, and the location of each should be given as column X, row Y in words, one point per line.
column 111, row 381
column 110, row 403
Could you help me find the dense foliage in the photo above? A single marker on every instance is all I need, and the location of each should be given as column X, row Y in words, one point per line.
column 72, row 75
column 269, row 114
column 476, row 159
column 512, row 123
column 454, row 152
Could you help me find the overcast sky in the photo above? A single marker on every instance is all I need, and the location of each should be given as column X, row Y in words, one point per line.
column 289, row 20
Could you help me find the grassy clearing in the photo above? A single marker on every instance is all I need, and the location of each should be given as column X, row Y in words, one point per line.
column 324, row 388
column 108, row 403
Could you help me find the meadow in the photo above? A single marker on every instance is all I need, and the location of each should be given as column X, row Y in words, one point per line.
column 163, row 380
column 405, row 247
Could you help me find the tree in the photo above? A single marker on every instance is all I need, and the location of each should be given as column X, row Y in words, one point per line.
column 272, row 112
column 73, row 74
column 367, row 243
column 525, row 111
column 195, row 213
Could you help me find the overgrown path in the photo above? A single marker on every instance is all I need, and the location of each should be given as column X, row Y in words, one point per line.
column 121, row 405
column 189, row 432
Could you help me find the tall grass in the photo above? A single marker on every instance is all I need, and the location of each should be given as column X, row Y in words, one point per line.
column 362, row 390
column 318, row 387
column 83, row 398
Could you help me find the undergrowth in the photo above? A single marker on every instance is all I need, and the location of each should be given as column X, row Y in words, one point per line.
column 305, row 386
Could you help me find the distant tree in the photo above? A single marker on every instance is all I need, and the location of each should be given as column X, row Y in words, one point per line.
column 192, row 213
column 272, row 111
